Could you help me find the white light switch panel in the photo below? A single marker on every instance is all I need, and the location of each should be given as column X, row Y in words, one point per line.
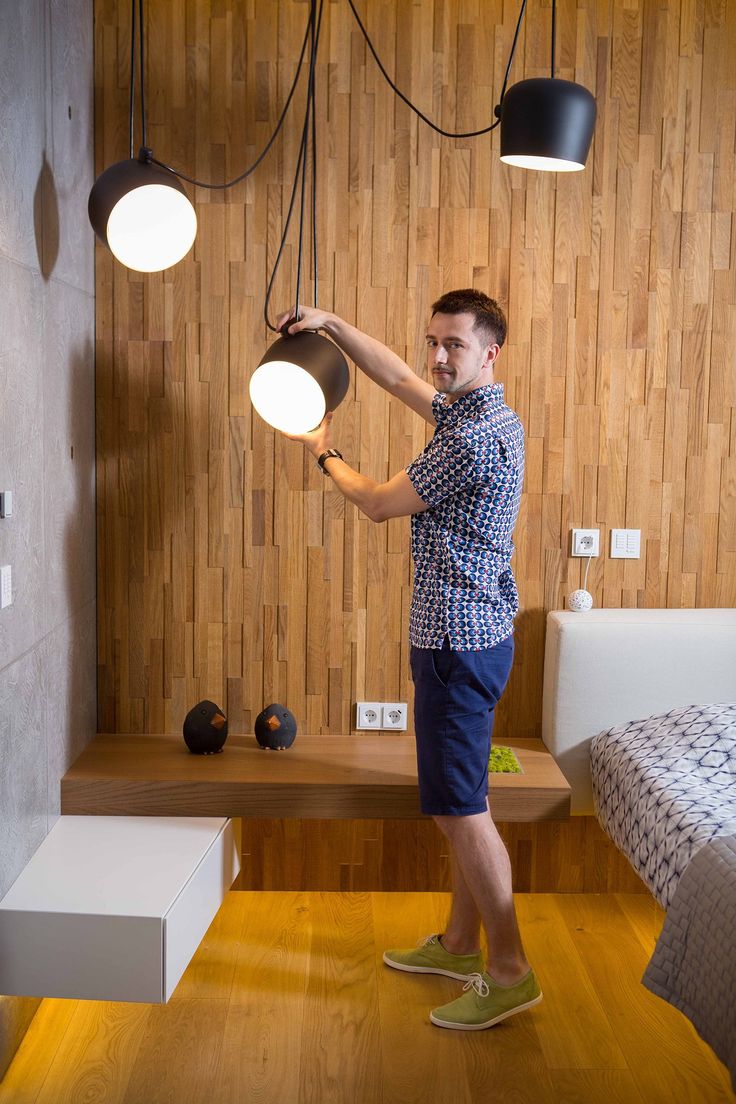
column 6, row 586
column 625, row 544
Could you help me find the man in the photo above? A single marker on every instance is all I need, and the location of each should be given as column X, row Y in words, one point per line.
column 463, row 495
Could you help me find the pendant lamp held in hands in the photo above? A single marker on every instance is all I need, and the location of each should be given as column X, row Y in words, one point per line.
column 301, row 376
column 138, row 208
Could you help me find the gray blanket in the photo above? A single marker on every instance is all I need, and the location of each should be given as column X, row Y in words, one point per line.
column 694, row 963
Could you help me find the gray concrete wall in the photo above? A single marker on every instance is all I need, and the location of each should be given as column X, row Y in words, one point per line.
column 47, row 420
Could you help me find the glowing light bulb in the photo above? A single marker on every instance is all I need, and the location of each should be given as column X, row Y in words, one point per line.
column 287, row 397
column 151, row 228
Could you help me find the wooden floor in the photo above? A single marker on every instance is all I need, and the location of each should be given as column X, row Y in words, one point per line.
column 287, row 1002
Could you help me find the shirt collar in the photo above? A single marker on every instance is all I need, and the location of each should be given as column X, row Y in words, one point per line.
column 489, row 396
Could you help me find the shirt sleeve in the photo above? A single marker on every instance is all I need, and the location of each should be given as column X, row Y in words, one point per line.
column 447, row 467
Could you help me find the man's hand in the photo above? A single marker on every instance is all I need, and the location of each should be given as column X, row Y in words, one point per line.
column 318, row 440
column 379, row 363
column 310, row 318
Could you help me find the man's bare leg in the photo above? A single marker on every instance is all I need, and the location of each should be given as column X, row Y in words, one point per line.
column 462, row 933
column 484, row 864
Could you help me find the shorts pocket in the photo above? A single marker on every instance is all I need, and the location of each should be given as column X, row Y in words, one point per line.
column 442, row 664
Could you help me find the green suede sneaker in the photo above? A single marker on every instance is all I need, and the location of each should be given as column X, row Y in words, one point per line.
column 484, row 1003
column 430, row 957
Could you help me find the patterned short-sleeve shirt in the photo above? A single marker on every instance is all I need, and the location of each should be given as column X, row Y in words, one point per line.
column 470, row 475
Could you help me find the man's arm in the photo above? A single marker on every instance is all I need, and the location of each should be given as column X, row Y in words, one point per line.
column 373, row 358
column 378, row 501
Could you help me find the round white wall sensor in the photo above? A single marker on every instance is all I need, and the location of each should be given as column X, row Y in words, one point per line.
column 579, row 601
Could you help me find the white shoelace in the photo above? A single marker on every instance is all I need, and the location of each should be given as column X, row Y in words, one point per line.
column 426, row 940
column 477, row 982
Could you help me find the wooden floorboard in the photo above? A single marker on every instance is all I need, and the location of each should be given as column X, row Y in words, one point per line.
column 287, row 1002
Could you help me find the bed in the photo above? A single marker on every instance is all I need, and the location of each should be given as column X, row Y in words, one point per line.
column 640, row 713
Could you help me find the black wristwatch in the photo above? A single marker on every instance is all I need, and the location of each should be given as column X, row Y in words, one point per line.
column 326, row 456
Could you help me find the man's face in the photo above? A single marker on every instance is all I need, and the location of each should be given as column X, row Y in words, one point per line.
column 457, row 359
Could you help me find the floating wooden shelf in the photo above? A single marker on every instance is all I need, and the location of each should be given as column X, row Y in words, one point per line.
column 340, row 777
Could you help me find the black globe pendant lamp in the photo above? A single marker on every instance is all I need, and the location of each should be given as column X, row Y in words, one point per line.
column 138, row 207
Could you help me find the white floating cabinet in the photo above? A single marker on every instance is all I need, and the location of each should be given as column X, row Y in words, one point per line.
column 113, row 908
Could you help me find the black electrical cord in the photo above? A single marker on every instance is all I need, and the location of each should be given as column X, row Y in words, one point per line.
column 314, row 183
column 131, row 98
column 554, row 35
column 141, row 35
column 300, row 172
column 282, row 243
column 269, row 143
column 310, row 133
column 422, row 116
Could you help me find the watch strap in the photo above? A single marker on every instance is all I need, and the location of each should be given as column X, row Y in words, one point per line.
column 326, row 456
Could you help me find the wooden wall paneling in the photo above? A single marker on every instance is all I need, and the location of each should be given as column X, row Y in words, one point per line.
column 228, row 567
column 572, row 856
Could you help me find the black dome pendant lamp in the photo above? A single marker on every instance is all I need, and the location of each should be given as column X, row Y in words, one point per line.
column 301, row 376
column 138, row 207
column 547, row 123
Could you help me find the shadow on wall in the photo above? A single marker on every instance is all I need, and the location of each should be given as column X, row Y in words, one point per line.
column 46, row 220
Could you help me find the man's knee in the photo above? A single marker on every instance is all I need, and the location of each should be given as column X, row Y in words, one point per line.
column 454, row 827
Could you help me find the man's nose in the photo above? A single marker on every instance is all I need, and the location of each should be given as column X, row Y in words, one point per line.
column 440, row 356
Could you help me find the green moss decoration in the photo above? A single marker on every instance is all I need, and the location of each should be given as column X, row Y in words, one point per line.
column 503, row 761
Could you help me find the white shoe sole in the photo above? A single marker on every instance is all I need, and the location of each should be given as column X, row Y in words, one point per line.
column 425, row 970
column 489, row 1023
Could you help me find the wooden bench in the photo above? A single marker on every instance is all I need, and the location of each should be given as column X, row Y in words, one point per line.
column 337, row 777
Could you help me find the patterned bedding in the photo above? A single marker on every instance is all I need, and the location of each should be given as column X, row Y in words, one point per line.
column 664, row 786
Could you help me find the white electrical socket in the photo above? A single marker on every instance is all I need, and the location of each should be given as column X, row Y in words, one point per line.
column 368, row 715
column 585, row 542
column 6, row 587
column 393, row 716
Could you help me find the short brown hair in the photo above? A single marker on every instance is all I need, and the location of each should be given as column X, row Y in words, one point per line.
column 490, row 321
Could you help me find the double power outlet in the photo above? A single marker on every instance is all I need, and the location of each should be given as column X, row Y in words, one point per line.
column 384, row 716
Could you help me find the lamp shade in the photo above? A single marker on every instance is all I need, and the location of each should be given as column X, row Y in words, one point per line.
column 142, row 213
column 547, row 124
column 299, row 379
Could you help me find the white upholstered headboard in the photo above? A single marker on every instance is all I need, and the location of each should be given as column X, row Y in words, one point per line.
column 605, row 667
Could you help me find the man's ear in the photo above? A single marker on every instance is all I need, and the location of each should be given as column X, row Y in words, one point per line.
column 492, row 352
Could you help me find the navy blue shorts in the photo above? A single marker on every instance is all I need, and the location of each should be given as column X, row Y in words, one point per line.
column 455, row 694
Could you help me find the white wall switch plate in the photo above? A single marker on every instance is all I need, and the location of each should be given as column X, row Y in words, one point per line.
column 393, row 716
column 368, row 715
column 585, row 542
column 6, row 504
column 6, row 586
column 625, row 544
